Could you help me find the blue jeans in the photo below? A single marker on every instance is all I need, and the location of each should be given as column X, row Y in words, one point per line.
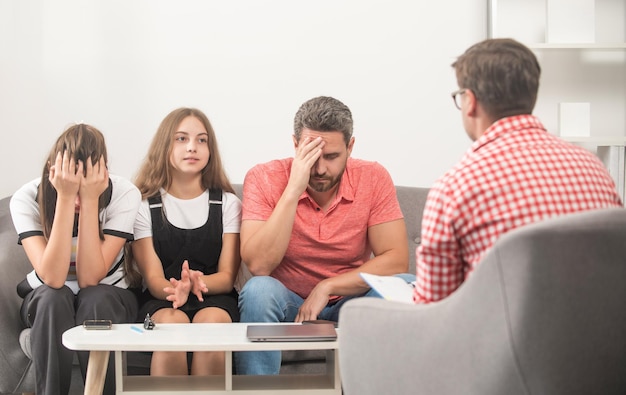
column 265, row 299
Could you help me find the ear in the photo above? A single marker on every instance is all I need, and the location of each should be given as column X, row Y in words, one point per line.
column 471, row 103
column 295, row 141
column 350, row 145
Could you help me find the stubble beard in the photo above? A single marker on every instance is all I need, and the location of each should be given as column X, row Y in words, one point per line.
column 324, row 186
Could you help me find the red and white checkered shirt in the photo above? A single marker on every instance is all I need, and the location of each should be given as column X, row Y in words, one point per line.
column 515, row 174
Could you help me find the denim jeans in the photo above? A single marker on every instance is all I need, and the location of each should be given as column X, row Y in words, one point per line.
column 265, row 299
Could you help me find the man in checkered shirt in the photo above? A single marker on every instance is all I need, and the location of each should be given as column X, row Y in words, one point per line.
column 515, row 173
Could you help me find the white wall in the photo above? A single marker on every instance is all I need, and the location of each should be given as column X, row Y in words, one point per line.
column 123, row 65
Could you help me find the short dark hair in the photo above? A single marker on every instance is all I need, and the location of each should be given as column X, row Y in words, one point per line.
column 503, row 74
column 324, row 114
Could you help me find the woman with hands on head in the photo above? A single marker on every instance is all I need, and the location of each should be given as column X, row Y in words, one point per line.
column 73, row 223
column 187, row 236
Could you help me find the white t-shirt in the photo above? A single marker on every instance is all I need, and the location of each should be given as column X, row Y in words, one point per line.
column 189, row 213
column 117, row 220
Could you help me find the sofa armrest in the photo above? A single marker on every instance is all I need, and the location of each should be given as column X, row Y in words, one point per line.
column 373, row 333
column 14, row 265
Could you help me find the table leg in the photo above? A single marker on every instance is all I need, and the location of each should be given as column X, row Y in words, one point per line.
column 228, row 372
column 96, row 372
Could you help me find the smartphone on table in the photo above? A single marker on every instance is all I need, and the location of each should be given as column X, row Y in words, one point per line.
column 97, row 324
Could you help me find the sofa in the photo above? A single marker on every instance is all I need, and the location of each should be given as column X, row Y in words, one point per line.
column 16, row 371
column 543, row 313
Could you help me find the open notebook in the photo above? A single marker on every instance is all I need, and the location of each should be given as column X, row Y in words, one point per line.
column 291, row 333
column 390, row 287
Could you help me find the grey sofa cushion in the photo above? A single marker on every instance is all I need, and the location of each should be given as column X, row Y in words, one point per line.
column 542, row 314
column 412, row 201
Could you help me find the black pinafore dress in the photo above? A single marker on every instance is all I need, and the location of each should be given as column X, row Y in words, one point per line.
column 201, row 247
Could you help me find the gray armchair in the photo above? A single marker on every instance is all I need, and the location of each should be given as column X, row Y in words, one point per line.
column 544, row 313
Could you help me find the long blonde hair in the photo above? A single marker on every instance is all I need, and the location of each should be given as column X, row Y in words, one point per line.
column 156, row 172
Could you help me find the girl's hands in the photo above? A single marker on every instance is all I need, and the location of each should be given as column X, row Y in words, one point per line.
column 178, row 292
column 95, row 180
column 190, row 281
column 65, row 175
column 198, row 286
column 70, row 180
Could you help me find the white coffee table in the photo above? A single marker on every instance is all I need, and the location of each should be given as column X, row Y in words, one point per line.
column 195, row 337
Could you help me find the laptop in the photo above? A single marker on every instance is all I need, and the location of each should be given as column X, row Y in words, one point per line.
column 291, row 333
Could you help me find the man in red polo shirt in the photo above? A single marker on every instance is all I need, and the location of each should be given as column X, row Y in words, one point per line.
column 311, row 223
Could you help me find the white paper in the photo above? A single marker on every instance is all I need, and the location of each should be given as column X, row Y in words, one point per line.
column 390, row 287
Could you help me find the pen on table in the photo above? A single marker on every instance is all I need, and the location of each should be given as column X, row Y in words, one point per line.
column 136, row 329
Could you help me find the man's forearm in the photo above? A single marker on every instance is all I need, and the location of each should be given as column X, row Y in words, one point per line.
column 351, row 283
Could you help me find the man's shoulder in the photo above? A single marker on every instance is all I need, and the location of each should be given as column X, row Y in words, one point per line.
column 363, row 175
column 275, row 171
column 273, row 165
column 361, row 166
column 366, row 178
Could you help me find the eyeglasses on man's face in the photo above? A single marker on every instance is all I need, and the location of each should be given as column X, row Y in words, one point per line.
column 456, row 94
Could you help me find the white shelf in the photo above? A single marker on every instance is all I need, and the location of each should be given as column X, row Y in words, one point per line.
column 588, row 46
column 513, row 18
column 616, row 41
column 608, row 141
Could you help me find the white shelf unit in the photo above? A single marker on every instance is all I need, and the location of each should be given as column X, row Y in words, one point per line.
column 526, row 21
column 592, row 72
column 598, row 46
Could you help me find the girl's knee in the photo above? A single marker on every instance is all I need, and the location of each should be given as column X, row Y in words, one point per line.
column 45, row 292
column 97, row 292
column 170, row 316
column 54, row 300
column 107, row 301
column 212, row 315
